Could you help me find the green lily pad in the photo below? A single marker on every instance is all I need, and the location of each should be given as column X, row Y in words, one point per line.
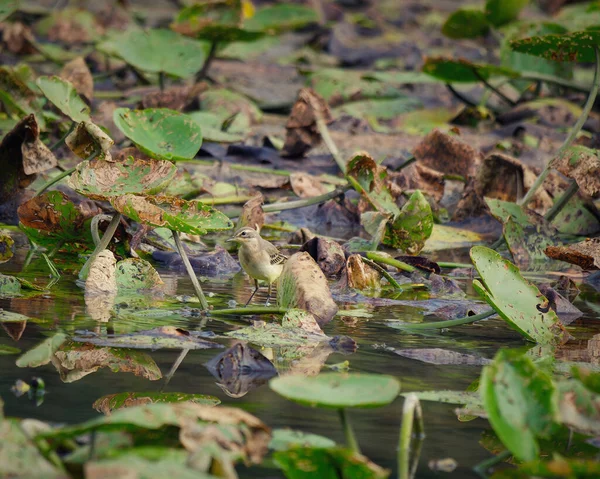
column 521, row 401
column 191, row 217
column 569, row 47
column 9, row 285
column 7, row 8
column 135, row 274
column 107, row 404
column 64, row 96
column 211, row 128
column 380, row 109
column 450, row 397
column 501, row 12
column 160, row 132
column 233, row 108
column 466, row 23
column 412, row 226
column 158, row 50
column 579, row 406
column 42, row 353
column 165, row 337
column 284, row 439
column 281, row 17
column 515, row 299
column 310, row 462
column 463, row 71
column 338, row 390
column 53, row 217
column 99, row 180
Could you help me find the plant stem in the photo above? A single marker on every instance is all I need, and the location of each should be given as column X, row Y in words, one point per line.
column 190, row 270
column 290, row 205
column 176, row 365
column 161, row 81
column 324, row 132
column 562, row 201
column 482, row 468
column 449, row 323
column 540, row 77
column 94, row 227
column 383, row 272
column 249, row 310
column 401, row 265
column 460, row 96
column 212, row 53
column 488, row 85
column 224, row 200
column 351, row 441
column 258, row 169
column 53, row 181
column 572, row 135
column 446, row 264
column 64, row 137
column 102, row 245
column 410, row 411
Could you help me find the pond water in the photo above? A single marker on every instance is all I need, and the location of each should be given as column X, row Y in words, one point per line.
column 377, row 429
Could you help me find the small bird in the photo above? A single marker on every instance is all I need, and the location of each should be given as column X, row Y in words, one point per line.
column 259, row 258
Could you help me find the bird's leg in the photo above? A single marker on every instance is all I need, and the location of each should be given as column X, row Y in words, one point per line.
column 269, row 294
column 252, row 295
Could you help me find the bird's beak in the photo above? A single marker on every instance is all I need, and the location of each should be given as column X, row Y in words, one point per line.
column 230, row 240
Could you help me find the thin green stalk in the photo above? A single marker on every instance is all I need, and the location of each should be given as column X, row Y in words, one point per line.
column 482, row 468
column 467, row 101
column 401, row 265
column 102, row 245
column 249, row 310
column 408, row 161
column 562, row 201
column 383, row 272
column 410, row 411
column 94, row 227
column 447, row 264
column 290, row 205
column 491, row 87
column 64, row 137
column 161, row 81
column 351, row 441
column 173, row 369
column 449, row 323
column 224, row 200
column 572, row 135
column 110, row 94
column 258, row 169
column 331, row 146
column 540, row 77
column 212, row 53
column 54, row 180
column 59, row 244
column 190, row 270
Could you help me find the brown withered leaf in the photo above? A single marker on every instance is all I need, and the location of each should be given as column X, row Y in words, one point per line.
column 301, row 236
column 306, row 185
column 252, row 213
column 77, row 72
column 40, row 214
column 88, row 138
column 301, row 127
column 442, row 356
column 68, row 28
column 328, row 254
column 448, row 154
column 583, row 165
column 422, row 263
column 585, row 254
column 102, row 278
column 360, row 275
column 419, row 177
column 14, row 330
column 175, row 98
column 18, row 38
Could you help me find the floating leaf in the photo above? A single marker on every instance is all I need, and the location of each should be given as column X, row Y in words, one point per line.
column 165, row 337
column 284, row 439
column 569, row 47
column 99, row 180
column 447, row 237
column 135, row 274
column 42, row 353
column 412, row 226
column 280, row 17
column 521, row 401
column 64, row 96
column 463, row 71
column 312, row 462
column 338, row 390
column 9, row 285
column 380, row 109
column 160, row 132
column 500, row 12
column 515, row 299
column 158, row 50
column 191, row 217
column 211, row 125
column 466, row 23
column 107, row 404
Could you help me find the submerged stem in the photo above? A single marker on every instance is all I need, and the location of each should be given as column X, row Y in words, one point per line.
column 482, row 468
column 176, row 365
column 410, row 411
column 351, row 441
column 190, row 270
column 572, row 135
column 449, row 323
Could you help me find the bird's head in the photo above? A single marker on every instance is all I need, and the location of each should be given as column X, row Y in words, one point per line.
column 245, row 235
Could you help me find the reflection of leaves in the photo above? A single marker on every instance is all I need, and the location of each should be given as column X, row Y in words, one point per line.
column 42, row 353
column 442, row 356
column 107, row 404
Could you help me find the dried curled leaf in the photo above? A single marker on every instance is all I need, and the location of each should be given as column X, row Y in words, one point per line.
column 88, row 139
column 78, row 74
column 585, row 254
column 583, row 165
column 101, row 277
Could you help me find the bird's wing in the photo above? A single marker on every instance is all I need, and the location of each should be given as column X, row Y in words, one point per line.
column 274, row 254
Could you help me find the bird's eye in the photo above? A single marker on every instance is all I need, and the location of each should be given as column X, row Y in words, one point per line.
column 243, row 233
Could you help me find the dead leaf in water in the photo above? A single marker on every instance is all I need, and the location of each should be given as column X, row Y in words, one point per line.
column 78, row 74
column 442, row 356
column 328, row 254
column 585, row 254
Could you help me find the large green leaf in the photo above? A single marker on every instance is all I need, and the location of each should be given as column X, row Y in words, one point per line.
column 99, row 179
column 569, row 47
column 463, row 71
column 136, row 274
column 191, row 217
column 521, row 401
column 466, row 23
column 412, row 226
column 280, row 17
column 343, row 84
column 515, row 299
column 160, row 132
column 500, row 12
column 7, row 7
column 42, row 353
column 64, row 96
column 338, row 463
column 338, row 390
column 158, row 50
column 107, row 404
